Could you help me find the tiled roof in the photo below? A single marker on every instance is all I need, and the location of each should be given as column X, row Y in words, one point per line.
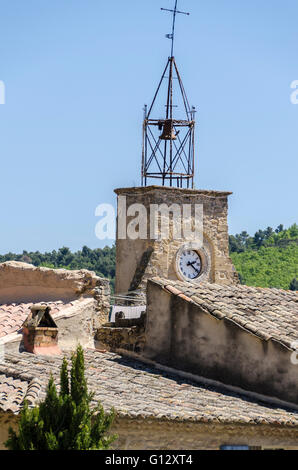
column 268, row 313
column 12, row 316
column 137, row 390
column 13, row 392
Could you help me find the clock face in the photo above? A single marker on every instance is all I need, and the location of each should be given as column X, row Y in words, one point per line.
column 190, row 264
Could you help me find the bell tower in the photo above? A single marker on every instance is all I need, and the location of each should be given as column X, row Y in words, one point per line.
column 168, row 158
column 169, row 128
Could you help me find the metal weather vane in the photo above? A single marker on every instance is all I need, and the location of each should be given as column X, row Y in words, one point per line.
column 168, row 142
column 175, row 12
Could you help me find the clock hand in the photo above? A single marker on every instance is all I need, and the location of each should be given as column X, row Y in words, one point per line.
column 192, row 265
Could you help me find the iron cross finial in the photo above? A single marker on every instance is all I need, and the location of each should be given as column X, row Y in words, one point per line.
column 172, row 35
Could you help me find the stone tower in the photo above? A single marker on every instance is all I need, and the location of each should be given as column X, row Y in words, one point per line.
column 160, row 244
column 138, row 259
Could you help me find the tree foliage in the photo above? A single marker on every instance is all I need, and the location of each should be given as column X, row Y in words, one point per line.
column 64, row 421
column 264, row 238
column 268, row 259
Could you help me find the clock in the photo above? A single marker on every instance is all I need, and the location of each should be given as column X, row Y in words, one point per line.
column 189, row 264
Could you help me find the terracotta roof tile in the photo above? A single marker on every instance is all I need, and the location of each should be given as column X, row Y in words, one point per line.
column 12, row 393
column 137, row 390
column 12, row 316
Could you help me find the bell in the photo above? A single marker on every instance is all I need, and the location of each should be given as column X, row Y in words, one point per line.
column 168, row 131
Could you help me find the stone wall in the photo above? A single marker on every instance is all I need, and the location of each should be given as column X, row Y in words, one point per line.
column 22, row 282
column 7, row 420
column 183, row 336
column 124, row 334
column 113, row 339
column 86, row 297
column 146, row 434
column 102, row 296
column 78, row 324
column 139, row 260
column 135, row 434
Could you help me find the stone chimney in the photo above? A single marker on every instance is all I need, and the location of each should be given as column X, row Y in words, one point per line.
column 40, row 332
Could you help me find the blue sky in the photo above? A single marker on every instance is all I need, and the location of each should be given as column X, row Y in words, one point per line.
column 77, row 75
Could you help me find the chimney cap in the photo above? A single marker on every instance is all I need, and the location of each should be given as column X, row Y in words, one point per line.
column 40, row 308
column 40, row 316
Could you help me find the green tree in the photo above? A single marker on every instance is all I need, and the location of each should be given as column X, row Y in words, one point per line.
column 271, row 266
column 64, row 421
column 259, row 238
column 279, row 229
column 294, row 284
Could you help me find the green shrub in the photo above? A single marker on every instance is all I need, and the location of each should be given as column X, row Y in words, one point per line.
column 64, row 421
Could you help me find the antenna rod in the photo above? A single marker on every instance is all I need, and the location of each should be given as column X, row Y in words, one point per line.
column 173, row 29
column 172, row 36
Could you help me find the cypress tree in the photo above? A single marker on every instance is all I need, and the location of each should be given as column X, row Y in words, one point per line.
column 65, row 421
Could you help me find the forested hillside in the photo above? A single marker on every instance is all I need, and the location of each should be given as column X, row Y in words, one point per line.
column 268, row 259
